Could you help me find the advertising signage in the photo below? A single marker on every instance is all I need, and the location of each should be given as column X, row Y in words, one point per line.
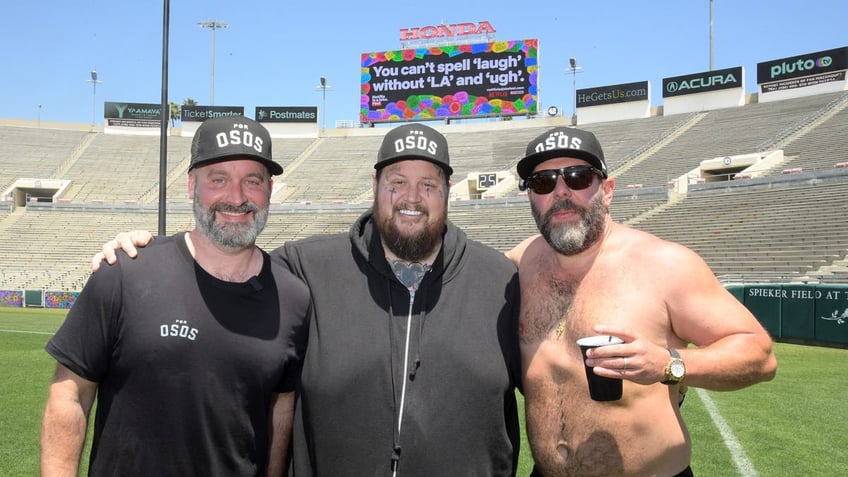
column 450, row 81
column 803, row 65
column 201, row 113
column 132, row 110
column 619, row 93
column 287, row 114
column 703, row 82
column 144, row 115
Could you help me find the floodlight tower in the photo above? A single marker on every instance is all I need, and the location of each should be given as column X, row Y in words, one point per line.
column 574, row 69
column 212, row 25
column 323, row 87
column 94, row 81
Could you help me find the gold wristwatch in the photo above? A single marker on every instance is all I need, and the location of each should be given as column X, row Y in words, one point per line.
column 675, row 370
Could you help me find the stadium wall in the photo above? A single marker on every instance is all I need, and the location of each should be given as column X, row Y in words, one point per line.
column 808, row 313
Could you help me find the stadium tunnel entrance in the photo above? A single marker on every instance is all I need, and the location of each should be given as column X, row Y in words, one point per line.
column 24, row 191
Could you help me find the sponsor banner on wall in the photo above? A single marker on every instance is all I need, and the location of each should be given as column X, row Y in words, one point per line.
column 202, row 113
column 619, row 93
column 703, row 82
column 287, row 114
column 803, row 82
column 450, row 81
column 810, row 64
column 138, row 115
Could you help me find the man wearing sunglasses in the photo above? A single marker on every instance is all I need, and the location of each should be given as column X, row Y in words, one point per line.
column 413, row 356
column 586, row 275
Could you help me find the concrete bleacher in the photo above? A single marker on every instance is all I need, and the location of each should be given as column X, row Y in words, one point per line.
column 115, row 168
column 822, row 147
column 790, row 231
column 32, row 257
column 723, row 132
column 793, row 230
column 34, row 152
column 337, row 169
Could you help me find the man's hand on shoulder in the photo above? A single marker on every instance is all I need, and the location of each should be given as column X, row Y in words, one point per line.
column 126, row 241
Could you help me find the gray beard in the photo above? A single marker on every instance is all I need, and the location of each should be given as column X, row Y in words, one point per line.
column 568, row 239
column 231, row 236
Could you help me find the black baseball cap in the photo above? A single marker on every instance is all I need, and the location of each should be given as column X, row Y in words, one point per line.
column 563, row 142
column 414, row 141
column 225, row 137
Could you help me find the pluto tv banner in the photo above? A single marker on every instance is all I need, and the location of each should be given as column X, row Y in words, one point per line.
column 451, row 81
column 803, row 65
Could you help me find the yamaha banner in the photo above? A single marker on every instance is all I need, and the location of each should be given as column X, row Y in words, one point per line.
column 145, row 115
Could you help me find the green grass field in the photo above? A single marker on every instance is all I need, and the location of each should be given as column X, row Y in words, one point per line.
column 792, row 426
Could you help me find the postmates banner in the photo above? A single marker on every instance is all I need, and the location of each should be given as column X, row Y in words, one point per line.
column 450, row 81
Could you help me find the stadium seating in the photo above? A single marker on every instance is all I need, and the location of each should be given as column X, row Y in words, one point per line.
column 780, row 227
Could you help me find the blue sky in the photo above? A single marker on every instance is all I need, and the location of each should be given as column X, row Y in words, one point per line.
column 274, row 52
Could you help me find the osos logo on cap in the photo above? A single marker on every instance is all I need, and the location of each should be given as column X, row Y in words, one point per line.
column 416, row 140
column 240, row 137
column 558, row 141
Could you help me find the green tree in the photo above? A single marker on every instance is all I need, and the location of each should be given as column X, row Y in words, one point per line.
column 175, row 112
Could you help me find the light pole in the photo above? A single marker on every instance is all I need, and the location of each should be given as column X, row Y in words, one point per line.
column 711, row 35
column 39, row 115
column 323, row 87
column 213, row 25
column 574, row 69
column 93, row 82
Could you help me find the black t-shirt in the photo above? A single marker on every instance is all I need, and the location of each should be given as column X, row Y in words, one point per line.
column 186, row 364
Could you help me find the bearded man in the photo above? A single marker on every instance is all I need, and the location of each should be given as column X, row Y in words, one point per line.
column 413, row 356
column 588, row 275
column 193, row 350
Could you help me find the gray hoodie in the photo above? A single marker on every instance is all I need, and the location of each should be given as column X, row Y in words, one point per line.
column 437, row 401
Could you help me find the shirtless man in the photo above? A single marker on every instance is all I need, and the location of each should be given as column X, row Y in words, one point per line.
column 586, row 275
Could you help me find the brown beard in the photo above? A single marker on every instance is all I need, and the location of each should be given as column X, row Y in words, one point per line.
column 411, row 248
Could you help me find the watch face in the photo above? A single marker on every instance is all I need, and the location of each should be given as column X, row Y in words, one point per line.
column 677, row 369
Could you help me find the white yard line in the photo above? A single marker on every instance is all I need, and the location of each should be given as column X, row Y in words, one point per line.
column 27, row 332
column 740, row 458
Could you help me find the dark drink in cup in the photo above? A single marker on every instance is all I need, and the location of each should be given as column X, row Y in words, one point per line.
column 600, row 387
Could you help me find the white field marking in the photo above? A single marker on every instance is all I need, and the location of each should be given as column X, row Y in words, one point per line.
column 28, row 332
column 740, row 458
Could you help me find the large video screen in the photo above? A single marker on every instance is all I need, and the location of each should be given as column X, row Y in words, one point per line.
column 450, row 81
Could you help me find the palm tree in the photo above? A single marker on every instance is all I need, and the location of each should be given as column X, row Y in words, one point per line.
column 176, row 108
column 175, row 112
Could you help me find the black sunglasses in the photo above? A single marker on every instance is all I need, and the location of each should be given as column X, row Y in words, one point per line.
column 575, row 177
